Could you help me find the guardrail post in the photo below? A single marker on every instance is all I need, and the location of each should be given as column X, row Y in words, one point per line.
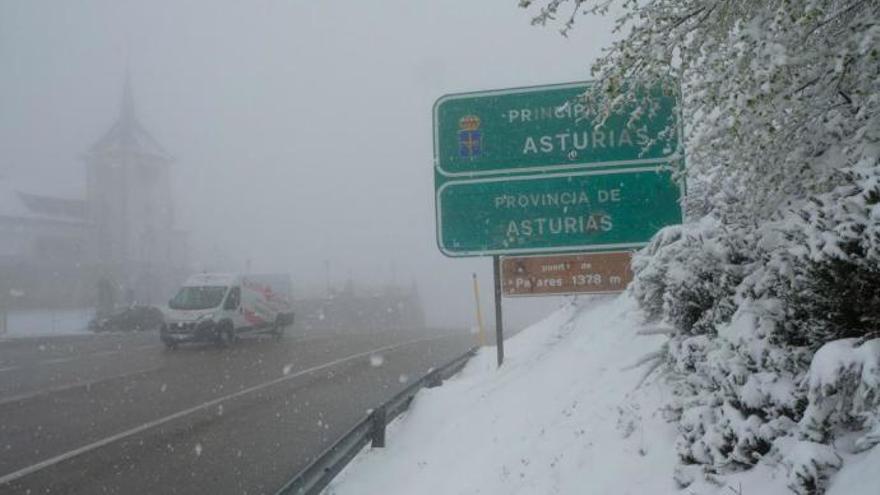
column 377, row 436
column 433, row 379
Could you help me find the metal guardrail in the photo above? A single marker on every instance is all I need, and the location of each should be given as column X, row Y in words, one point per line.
column 318, row 474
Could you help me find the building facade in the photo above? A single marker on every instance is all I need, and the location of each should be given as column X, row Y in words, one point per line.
column 120, row 240
column 129, row 200
column 46, row 255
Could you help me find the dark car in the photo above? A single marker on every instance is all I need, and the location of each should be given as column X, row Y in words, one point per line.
column 131, row 319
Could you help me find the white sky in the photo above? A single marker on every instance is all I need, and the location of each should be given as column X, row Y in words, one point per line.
column 301, row 130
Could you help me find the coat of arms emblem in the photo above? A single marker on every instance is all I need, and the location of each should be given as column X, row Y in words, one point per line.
column 470, row 138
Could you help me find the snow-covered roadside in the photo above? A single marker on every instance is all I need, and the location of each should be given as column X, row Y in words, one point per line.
column 563, row 415
column 554, row 419
column 43, row 323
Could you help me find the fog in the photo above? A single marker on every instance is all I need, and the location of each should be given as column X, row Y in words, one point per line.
column 300, row 131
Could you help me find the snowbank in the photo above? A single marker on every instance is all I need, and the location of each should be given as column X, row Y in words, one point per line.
column 565, row 414
column 42, row 323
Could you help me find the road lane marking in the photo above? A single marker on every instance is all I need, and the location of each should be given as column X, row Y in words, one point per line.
column 8, row 368
column 57, row 360
column 104, row 353
column 68, row 359
column 68, row 386
column 10, row 477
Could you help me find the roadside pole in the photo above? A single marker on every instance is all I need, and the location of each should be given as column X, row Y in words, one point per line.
column 3, row 318
column 499, row 326
column 482, row 335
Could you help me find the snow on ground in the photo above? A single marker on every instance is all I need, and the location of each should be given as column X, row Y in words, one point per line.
column 42, row 323
column 565, row 414
column 554, row 419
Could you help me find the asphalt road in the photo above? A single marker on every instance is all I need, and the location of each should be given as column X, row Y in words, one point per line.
column 120, row 414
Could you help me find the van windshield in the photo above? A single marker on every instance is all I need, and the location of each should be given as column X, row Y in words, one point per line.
column 197, row 298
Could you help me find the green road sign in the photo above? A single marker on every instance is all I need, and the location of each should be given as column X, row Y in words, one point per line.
column 541, row 129
column 528, row 171
column 550, row 213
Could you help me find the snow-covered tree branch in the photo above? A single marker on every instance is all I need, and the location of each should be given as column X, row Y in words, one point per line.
column 779, row 95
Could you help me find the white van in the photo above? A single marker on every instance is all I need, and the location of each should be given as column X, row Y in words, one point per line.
column 217, row 307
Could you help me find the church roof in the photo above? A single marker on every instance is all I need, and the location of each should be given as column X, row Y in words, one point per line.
column 54, row 207
column 17, row 204
column 127, row 134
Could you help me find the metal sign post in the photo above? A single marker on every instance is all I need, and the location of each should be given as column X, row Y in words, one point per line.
column 499, row 325
column 482, row 334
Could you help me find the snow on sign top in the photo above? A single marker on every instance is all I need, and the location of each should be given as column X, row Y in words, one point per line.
column 544, row 128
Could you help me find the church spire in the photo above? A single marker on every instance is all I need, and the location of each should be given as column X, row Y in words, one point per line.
column 127, row 134
column 126, row 110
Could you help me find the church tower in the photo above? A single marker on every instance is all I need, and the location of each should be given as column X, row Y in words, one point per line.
column 130, row 203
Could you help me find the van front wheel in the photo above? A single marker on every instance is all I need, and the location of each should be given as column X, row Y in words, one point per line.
column 278, row 328
column 225, row 335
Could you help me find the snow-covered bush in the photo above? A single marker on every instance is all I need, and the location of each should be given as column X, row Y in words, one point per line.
column 811, row 278
column 688, row 276
column 735, row 393
column 843, row 387
column 809, row 464
column 757, row 381
column 837, row 242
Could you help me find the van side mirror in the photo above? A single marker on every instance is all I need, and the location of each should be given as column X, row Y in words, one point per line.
column 232, row 299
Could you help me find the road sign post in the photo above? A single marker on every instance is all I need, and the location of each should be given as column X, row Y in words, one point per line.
column 499, row 325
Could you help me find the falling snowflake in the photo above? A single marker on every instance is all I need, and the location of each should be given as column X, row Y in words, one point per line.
column 198, row 449
column 403, row 378
column 376, row 360
column 163, row 387
column 287, row 369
